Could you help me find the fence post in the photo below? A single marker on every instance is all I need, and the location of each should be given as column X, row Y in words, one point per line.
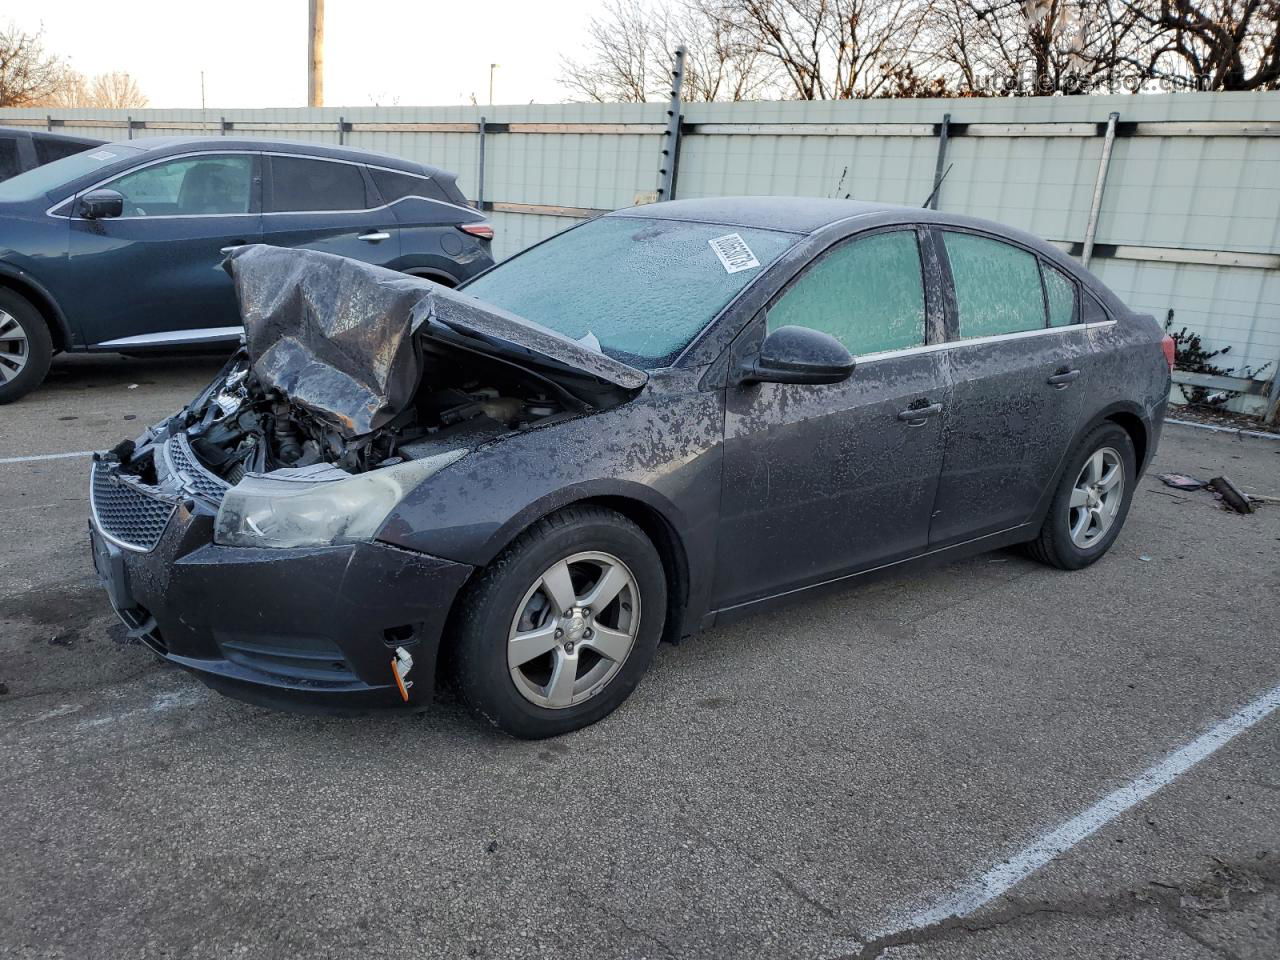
column 342, row 131
column 480, row 174
column 222, row 126
column 129, row 124
column 48, row 122
column 671, row 138
column 1091, row 229
column 943, row 133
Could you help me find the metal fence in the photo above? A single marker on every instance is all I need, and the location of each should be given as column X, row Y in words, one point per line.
column 1185, row 216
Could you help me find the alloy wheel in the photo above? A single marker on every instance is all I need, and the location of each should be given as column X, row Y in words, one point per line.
column 573, row 630
column 1096, row 497
column 14, row 349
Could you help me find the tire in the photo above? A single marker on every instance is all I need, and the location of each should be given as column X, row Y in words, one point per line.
column 26, row 349
column 573, row 684
column 1069, row 539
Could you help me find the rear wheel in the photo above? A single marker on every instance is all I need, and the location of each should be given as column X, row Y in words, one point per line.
column 1091, row 502
column 26, row 349
column 559, row 629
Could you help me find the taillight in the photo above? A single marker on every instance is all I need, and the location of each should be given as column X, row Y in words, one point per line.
column 482, row 230
column 1170, row 353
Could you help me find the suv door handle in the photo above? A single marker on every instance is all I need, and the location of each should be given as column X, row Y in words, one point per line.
column 916, row 416
column 1064, row 379
column 377, row 236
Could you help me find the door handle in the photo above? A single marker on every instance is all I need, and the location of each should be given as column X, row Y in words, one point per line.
column 916, row 416
column 377, row 236
column 1064, row 379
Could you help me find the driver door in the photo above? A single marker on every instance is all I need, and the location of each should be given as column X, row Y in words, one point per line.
column 824, row 480
column 155, row 272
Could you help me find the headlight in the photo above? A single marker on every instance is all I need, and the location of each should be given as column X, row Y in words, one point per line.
column 313, row 506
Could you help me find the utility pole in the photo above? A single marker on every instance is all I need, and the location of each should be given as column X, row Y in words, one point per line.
column 492, row 67
column 201, row 89
column 315, row 53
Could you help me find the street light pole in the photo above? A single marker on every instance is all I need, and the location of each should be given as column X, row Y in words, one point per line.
column 492, row 67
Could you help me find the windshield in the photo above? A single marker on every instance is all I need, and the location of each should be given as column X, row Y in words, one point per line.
column 642, row 288
column 36, row 183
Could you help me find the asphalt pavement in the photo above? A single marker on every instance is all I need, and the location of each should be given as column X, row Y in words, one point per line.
column 812, row 782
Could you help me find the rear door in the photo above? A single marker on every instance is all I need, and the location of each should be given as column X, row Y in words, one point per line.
column 327, row 205
column 1019, row 364
column 820, row 481
column 154, row 274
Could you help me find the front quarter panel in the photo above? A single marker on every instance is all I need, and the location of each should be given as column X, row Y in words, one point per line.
column 661, row 449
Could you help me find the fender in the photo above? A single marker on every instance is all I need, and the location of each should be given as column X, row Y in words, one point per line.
column 64, row 337
column 1127, row 407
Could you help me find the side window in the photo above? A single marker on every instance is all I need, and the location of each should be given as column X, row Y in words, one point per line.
column 394, row 186
column 997, row 286
column 1060, row 292
column 9, row 165
column 49, row 150
column 1093, row 310
column 191, row 186
column 300, row 184
column 867, row 293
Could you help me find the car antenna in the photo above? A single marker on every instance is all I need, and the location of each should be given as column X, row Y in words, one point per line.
column 937, row 186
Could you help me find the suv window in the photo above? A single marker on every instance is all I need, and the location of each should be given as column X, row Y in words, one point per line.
column 300, row 184
column 395, row 186
column 49, row 150
column 215, row 183
column 1060, row 294
column 997, row 286
column 9, row 165
column 868, row 293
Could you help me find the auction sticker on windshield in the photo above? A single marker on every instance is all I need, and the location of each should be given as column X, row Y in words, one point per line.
column 734, row 253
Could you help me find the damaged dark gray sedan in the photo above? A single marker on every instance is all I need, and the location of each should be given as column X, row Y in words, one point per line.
column 656, row 421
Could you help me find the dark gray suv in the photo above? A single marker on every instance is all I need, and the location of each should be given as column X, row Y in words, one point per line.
column 118, row 248
column 662, row 419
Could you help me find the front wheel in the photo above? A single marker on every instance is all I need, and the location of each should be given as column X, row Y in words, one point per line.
column 558, row 630
column 26, row 349
column 1091, row 502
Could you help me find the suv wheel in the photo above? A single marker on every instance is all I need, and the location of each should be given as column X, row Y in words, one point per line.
column 26, row 350
column 559, row 629
column 1091, row 502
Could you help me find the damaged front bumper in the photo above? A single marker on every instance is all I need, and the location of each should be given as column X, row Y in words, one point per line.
column 314, row 627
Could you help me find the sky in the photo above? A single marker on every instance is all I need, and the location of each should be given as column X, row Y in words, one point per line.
column 254, row 52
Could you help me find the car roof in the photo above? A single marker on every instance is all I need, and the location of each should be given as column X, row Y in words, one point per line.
column 166, row 145
column 791, row 214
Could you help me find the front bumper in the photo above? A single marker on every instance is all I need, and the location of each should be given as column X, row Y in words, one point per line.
column 312, row 628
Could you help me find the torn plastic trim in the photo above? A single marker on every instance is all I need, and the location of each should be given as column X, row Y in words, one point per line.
column 318, row 505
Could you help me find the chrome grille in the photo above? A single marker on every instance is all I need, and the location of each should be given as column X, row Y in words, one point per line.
column 182, row 460
column 126, row 514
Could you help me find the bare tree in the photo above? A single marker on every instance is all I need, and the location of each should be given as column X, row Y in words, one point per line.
column 827, row 49
column 27, row 73
column 632, row 45
column 116, row 91
column 1209, row 44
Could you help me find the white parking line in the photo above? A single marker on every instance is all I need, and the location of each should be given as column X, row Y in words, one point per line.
column 47, row 456
column 984, row 888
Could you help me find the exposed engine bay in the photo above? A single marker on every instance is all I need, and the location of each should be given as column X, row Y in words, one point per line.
column 236, row 427
column 347, row 367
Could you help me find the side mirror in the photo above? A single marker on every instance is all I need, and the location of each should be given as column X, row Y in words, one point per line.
column 798, row 355
column 101, row 205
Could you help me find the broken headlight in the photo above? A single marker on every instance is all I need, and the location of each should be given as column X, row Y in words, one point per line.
column 317, row 505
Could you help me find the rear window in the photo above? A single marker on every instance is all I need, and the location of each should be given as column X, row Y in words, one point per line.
column 301, row 184
column 395, row 186
column 48, row 151
column 9, row 165
column 641, row 288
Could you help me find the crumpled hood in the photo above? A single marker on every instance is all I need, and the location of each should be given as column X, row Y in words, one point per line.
column 336, row 336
